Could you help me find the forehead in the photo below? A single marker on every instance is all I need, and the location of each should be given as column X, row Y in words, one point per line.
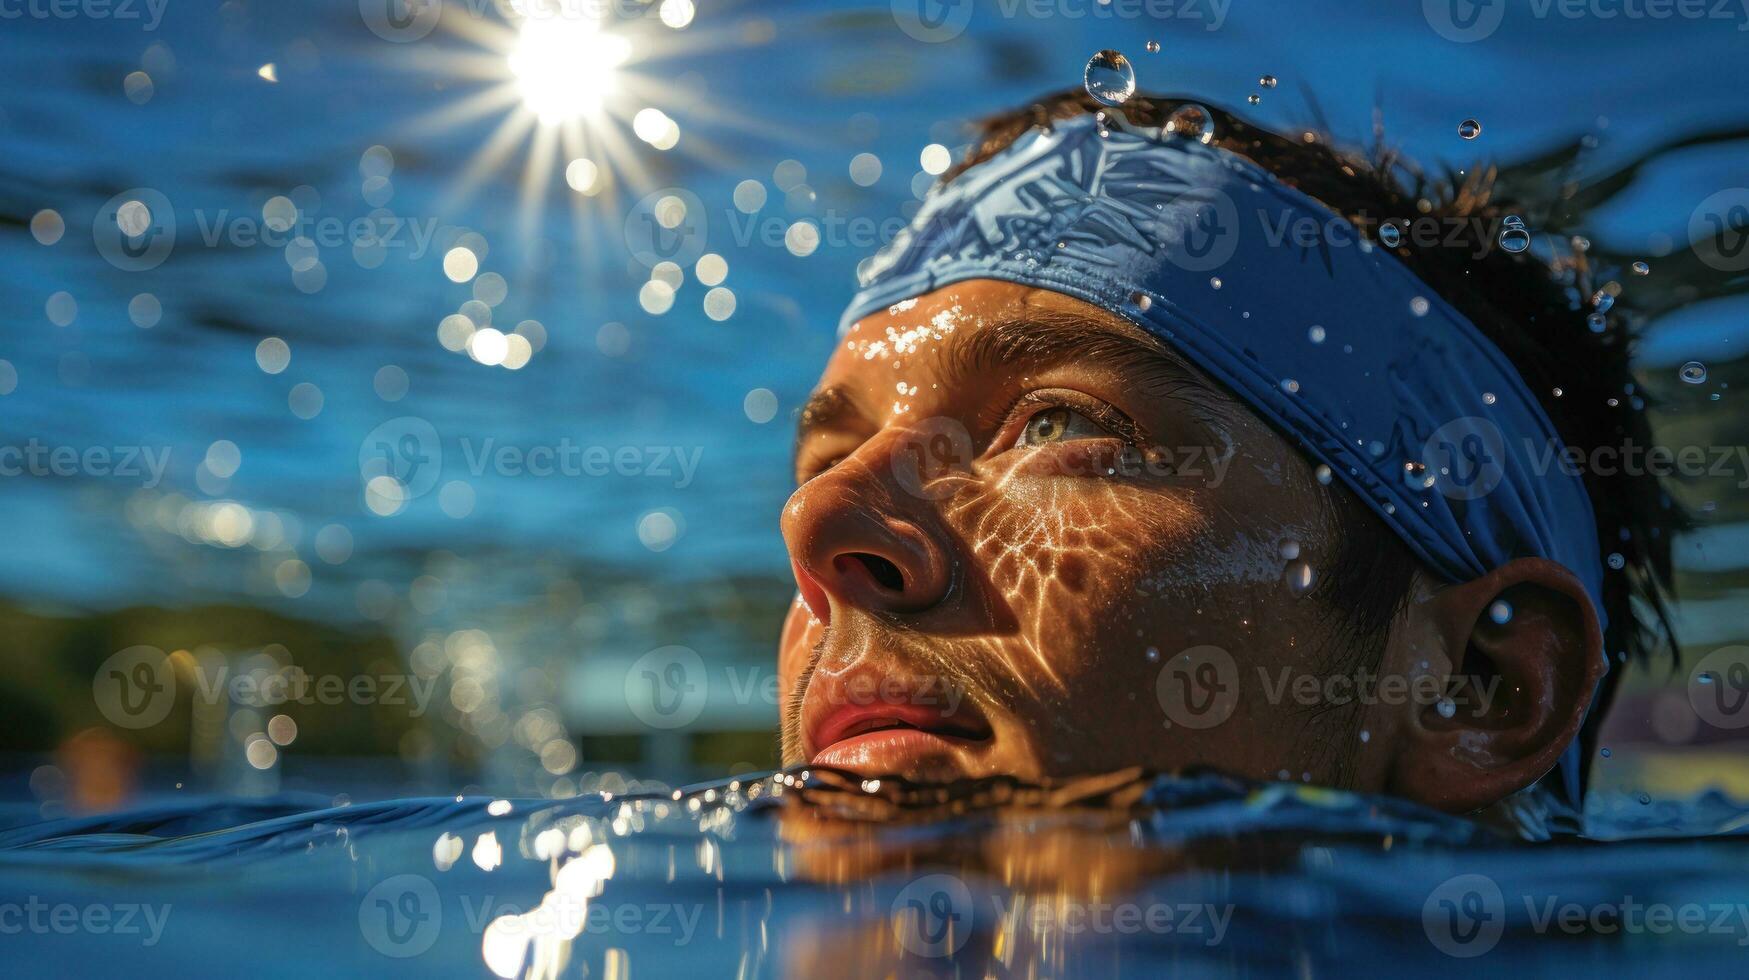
column 928, row 330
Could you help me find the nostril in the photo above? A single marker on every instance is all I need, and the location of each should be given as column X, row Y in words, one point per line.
column 884, row 572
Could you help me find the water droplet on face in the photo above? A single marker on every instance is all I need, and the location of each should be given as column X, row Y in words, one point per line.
column 1446, row 708
column 1315, row 335
column 1597, row 322
column 1142, row 301
column 1641, row 268
column 1500, row 611
column 1289, row 550
column 1469, row 129
column 1694, row 372
column 1323, row 474
column 1616, row 561
column 1514, row 239
column 1300, row 577
column 1109, row 77
column 1267, row 81
column 1192, row 121
column 1389, row 235
column 1153, row 47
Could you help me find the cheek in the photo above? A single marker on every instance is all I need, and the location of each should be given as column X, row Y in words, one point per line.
column 1070, row 556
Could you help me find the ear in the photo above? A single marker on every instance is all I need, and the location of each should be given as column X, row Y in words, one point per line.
column 1521, row 677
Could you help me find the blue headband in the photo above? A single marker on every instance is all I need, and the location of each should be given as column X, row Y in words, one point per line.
column 1332, row 340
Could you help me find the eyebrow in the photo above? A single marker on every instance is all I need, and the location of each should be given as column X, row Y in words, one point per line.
column 1035, row 337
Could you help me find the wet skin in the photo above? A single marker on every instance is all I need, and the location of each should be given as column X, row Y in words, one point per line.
column 1016, row 512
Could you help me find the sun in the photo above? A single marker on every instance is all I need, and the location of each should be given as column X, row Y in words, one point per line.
column 566, row 67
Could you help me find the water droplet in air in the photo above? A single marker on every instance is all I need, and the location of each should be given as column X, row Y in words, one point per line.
column 1602, row 300
column 1193, row 121
column 1446, row 708
column 1469, row 129
column 1142, row 301
column 1323, row 474
column 1315, row 335
column 1500, row 611
column 1694, row 372
column 1109, row 77
column 1289, row 550
column 1267, row 81
column 1616, row 561
column 1558, row 392
column 1153, row 654
column 1253, row 98
column 1153, row 47
column 1215, row 281
column 1300, row 577
column 1514, row 239
column 1418, row 305
column 1604, row 752
column 1488, row 398
column 1641, row 268
column 1597, row 322
column 1389, row 235
column 1290, row 386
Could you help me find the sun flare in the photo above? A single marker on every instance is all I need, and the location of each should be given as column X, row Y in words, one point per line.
column 565, row 68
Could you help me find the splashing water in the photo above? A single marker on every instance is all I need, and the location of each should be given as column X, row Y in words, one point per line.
column 1513, row 236
column 1193, row 121
column 1109, row 77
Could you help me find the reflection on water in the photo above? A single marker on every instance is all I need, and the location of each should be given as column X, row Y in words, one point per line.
column 821, row 873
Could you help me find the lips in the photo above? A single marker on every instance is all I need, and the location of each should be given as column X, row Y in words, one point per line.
column 884, row 724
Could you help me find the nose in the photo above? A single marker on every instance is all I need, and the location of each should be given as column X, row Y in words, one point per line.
column 854, row 541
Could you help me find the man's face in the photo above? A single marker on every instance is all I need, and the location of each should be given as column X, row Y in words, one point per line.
column 1016, row 513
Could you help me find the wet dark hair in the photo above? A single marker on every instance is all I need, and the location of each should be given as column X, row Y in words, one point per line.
column 1534, row 308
